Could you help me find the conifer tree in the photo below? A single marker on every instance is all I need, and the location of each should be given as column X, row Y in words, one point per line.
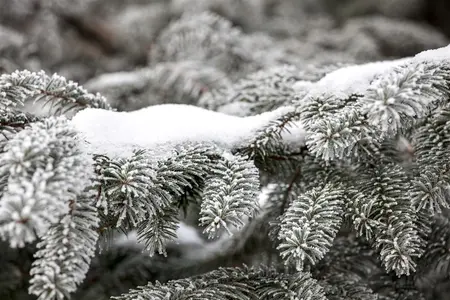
column 225, row 154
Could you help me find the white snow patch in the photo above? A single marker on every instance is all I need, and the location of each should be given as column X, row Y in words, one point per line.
column 161, row 127
column 355, row 79
column 440, row 54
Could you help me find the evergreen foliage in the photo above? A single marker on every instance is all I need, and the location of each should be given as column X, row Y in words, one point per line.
column 335, row 187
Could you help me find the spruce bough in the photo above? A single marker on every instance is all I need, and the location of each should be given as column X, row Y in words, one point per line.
column 367, row 179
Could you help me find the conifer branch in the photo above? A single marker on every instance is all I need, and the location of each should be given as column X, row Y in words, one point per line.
column 339, row 202
column 396, row 233
column 262, row 91
column 45, row 169
column 234, row 283
column 65, row 252
column 159, row 230
column 127, row 185
column 143, row 193
column 181, row 82
column 337, row 128
column 267, row 140
column 230, row 195
column 339, row 287
column 12, row 122
column 216, row 44
column 405, row 94
column 430, row 187
column 61, row 95
column 309, row 226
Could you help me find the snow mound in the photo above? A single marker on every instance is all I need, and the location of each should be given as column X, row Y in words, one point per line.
column 161, row 127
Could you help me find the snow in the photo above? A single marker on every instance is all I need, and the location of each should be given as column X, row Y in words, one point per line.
column 441, row 54
column 161, row 127
column 355, row 79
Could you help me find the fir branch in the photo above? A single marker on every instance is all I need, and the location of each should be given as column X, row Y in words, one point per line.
column 384, row 202
column 136, row 190
column 188, row 165
column 266, row 141
column 187, row 168
column 233, row 283
column 230, row 195
column 340, row 287
column 399, row 246
column 407, row 93
column 310, row 224
column 168, row 82
column 159, row 230
column 17, row 87
column 362, row 212
column 129, row 190
column 12, row 121
column 62, row 95
column 434, row 265
column 262, row 91
column 324, row 106
column 430, row 189
column 65, row 252
column 432, row 138
column 216, row 43
column 430, row 186
column 45, row 169
column 337, row 128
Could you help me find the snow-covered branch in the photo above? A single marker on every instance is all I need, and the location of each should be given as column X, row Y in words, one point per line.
column 160, row 128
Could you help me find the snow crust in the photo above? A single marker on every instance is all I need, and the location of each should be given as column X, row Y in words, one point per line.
column 161, row 127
